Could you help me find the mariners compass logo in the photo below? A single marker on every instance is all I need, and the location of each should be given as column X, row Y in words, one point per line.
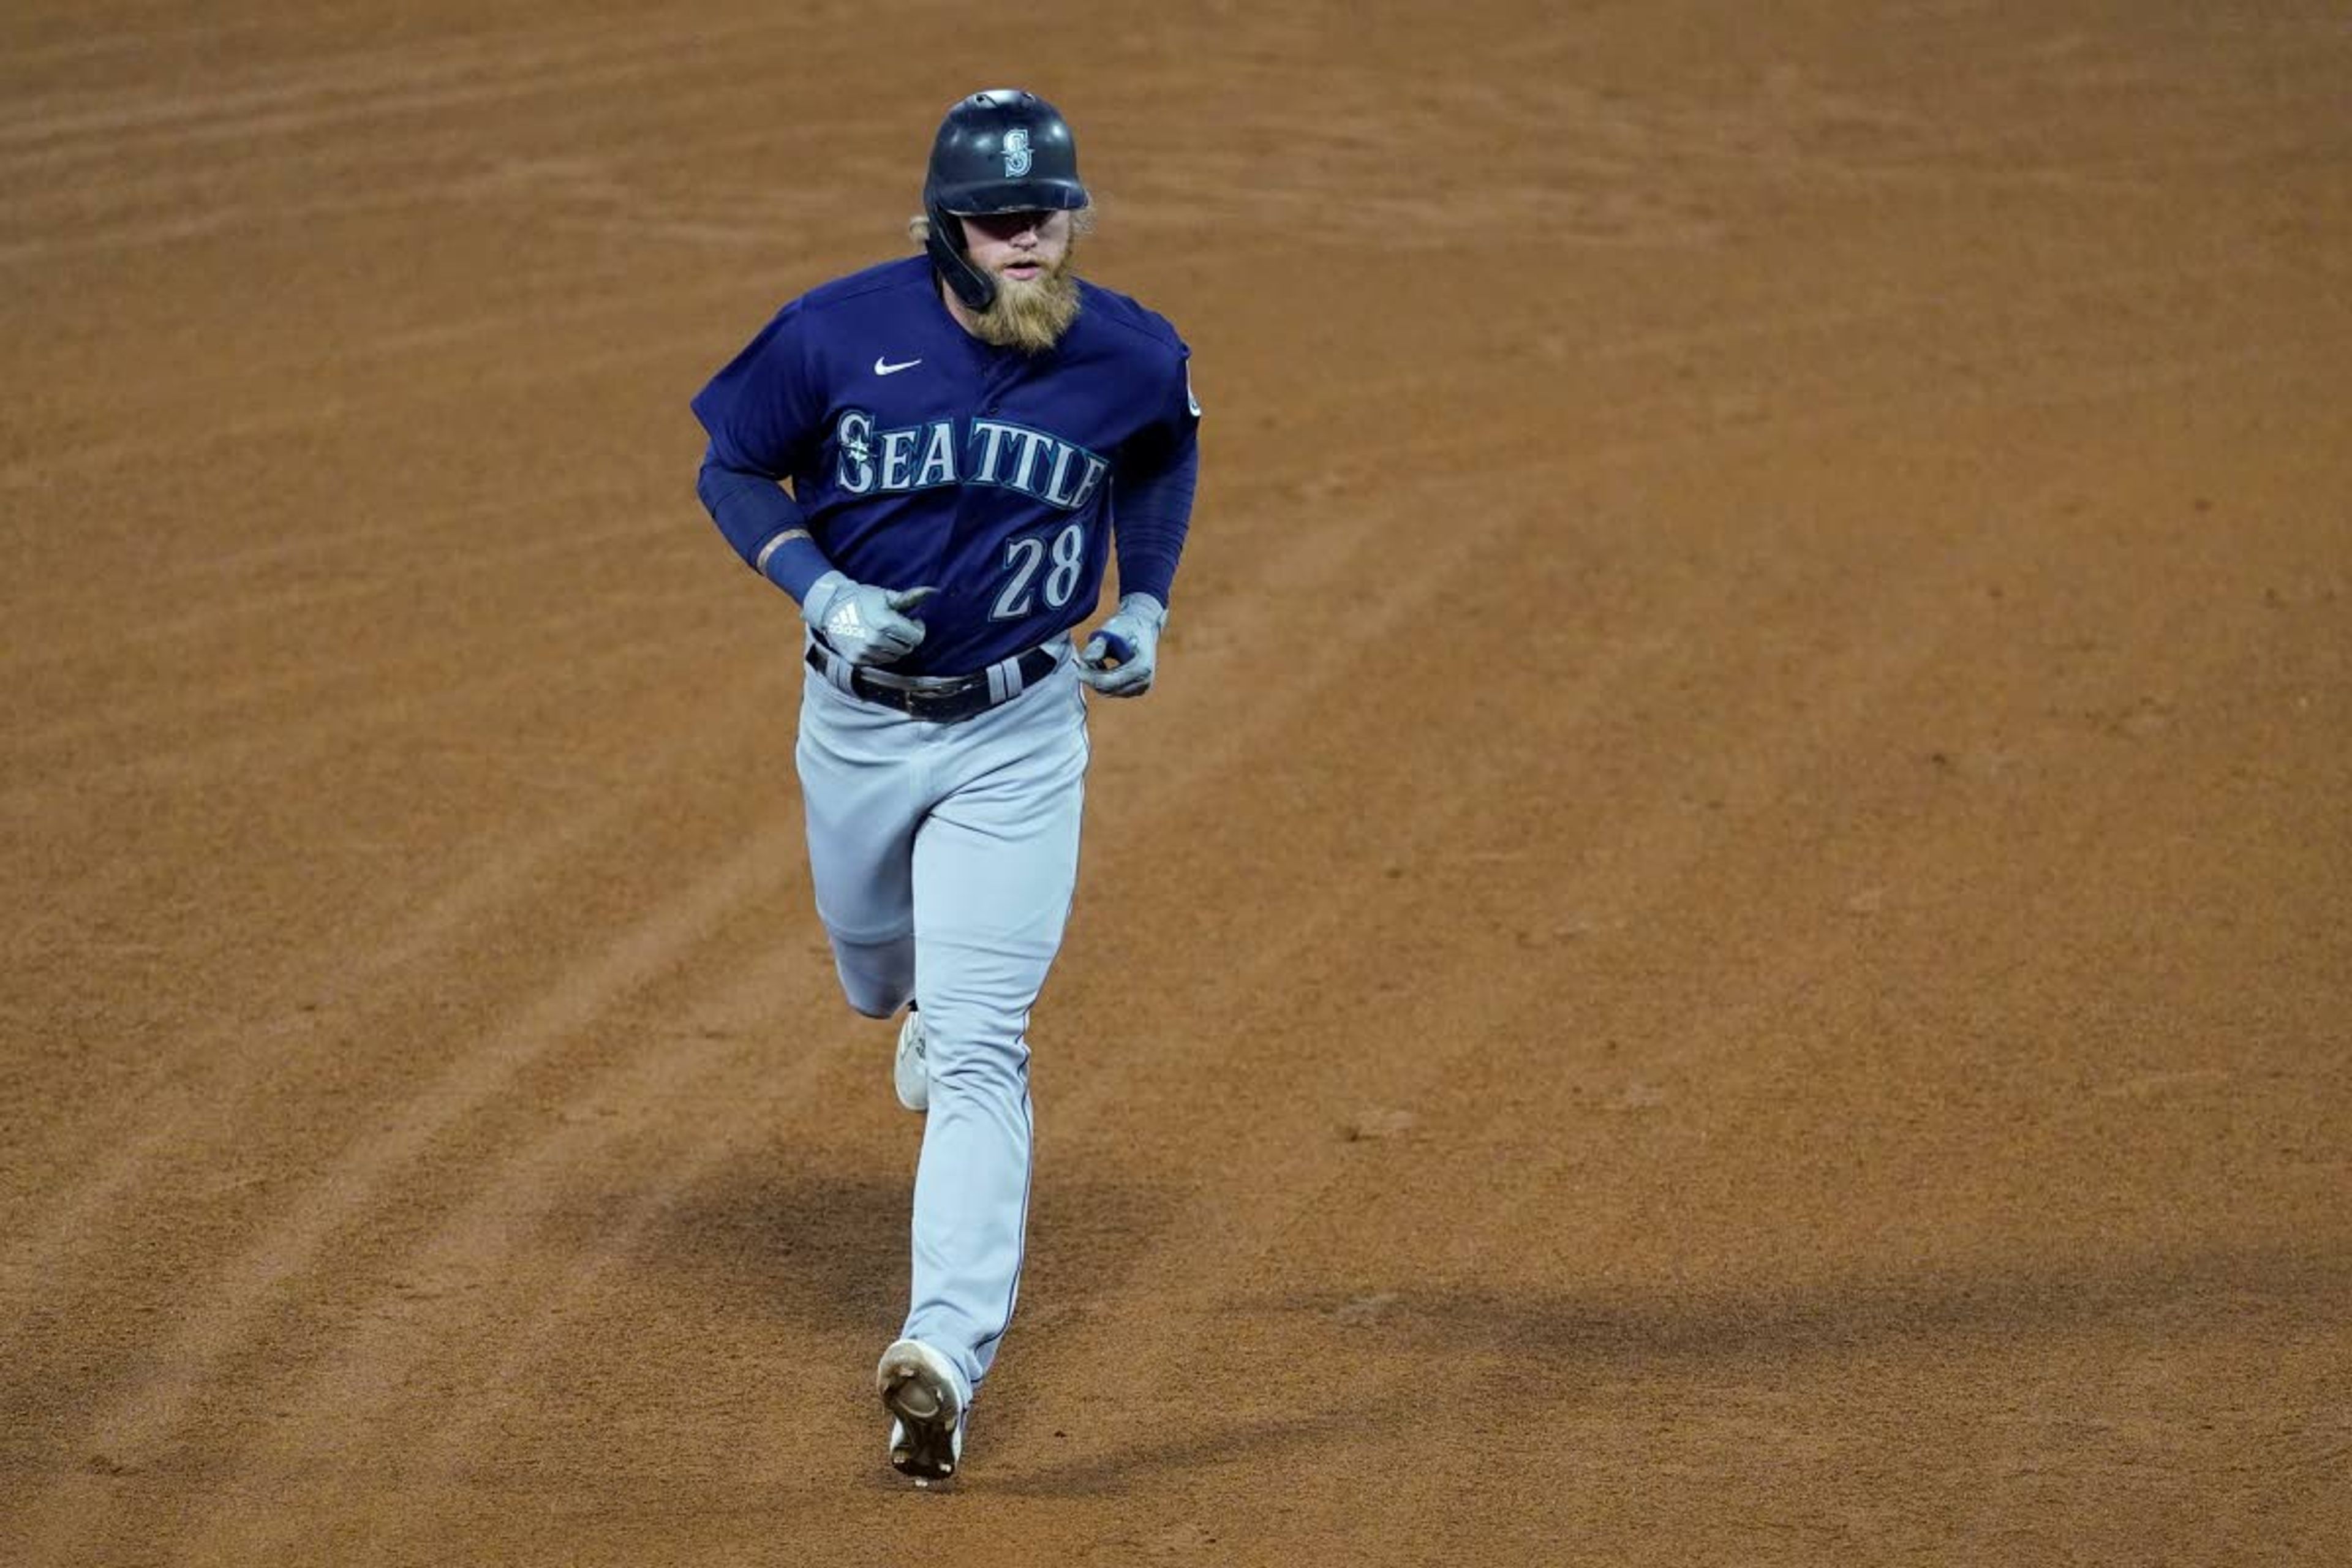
column 1017, row 153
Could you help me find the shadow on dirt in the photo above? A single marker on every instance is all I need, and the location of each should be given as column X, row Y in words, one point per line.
column 828, row 1248
column 2214, row 1292
column 825, row 1249
column 1438, row 1350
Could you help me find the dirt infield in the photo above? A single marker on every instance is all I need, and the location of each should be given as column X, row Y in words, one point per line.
column 1729, row 939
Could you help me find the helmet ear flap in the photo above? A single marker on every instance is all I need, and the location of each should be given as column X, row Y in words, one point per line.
column 945, row 242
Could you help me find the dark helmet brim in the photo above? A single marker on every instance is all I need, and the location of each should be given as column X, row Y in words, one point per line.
column 1022, row 196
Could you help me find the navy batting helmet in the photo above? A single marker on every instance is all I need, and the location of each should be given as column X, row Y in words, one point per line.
column 997, row 151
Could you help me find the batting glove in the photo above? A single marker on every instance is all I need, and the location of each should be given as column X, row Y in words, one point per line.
column 1119, row 658
column 864, row 624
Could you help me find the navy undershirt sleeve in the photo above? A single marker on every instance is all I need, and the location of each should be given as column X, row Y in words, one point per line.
column 1154, row 511
column 756, row 514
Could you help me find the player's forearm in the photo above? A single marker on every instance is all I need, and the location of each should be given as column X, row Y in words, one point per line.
column 764, row 524
column 1154, row 513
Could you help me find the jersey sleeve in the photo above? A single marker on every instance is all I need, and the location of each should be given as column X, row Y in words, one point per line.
column 1153, row 500
column 761, row 410
column 1174, row 419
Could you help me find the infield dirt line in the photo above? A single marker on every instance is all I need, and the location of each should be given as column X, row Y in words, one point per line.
column 139, row 1421
column 497, row 1334
column 238, row 1052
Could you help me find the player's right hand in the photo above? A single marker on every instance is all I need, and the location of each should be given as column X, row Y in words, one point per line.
column 865, row 624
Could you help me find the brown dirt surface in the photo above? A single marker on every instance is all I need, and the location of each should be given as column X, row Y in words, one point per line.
column 1728, row 941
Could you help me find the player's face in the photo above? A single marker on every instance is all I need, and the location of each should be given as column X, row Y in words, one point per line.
column 1028, row 255
column 1027, row 248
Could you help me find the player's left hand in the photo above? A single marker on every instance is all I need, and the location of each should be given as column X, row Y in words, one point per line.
column 1119, row 658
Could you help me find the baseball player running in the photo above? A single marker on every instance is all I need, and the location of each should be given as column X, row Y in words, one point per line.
column 967, row 434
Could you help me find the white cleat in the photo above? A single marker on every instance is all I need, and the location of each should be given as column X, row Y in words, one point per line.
column 911, row 1073
column 926, row 1398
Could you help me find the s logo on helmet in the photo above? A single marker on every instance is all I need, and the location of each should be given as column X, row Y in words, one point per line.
column 1017, row 153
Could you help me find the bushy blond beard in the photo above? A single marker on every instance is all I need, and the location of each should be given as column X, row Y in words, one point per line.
column 1031, row 316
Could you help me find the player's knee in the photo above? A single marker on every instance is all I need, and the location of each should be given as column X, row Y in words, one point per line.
column 876, row 978
column 980, row 1045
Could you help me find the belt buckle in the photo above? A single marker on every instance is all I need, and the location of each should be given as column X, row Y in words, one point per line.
column 919, row 700
column 939, row 703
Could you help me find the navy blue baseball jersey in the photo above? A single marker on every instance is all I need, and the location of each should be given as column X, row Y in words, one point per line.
column 919, row 454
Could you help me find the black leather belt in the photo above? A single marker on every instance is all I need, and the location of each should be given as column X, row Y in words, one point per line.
column 940, row 701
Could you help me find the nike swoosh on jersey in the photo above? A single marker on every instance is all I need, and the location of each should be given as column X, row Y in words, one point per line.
column 884, row 367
